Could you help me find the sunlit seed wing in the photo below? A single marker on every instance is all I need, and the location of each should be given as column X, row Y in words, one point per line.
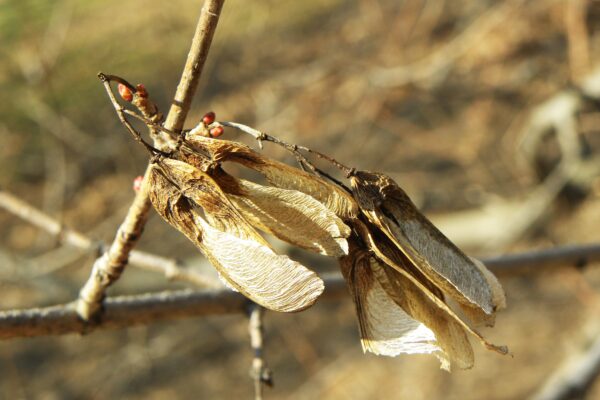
column 292, row 216
column 385, row 329
column 386, row 205
column 278, row 174
column 388, row 255
column 498, row 296
column 271, row 280
column 239, row 253
column 455, row 348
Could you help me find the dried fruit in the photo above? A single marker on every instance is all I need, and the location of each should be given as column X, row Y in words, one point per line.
column 125, row 93
column 245, row 261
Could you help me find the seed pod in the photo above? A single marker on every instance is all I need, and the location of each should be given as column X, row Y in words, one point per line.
column 125, row 92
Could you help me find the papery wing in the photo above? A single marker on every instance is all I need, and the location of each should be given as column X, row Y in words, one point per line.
column 292, row 216
column 278, row 174
column 271, row 280
column 386, row 205
column 238, row 252
column 389, row 254
column 455, row 348
column 385, row 328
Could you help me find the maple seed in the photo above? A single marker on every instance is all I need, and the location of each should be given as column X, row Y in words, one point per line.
column 141, row 90
column 137, row 183
column 125, row 92
column 208, row 118
column 216, row 131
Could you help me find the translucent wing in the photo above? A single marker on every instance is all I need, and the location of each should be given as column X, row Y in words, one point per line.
column 239, row 253
column 450, row 336
column 388, row 253
column 386, row 205
column 292, row 216
column 385, row 329
column 278, row 174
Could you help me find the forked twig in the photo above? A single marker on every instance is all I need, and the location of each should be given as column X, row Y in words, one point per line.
column 108, row 268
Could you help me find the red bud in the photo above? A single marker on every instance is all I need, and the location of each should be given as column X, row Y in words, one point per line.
column 125, row 92
column 208, row 118
column 137, row 183
column 216, row 131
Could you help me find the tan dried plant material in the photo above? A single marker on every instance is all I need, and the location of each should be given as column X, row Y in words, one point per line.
column 277, row 173
column 244, row 260
column 292, row 216
column 396, row 317
column 419, row 290
column 388, row 207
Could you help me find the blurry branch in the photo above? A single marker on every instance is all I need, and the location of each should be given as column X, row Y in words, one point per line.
column 261, row 374
column 124, row 311
column 504, row 221
column 108, row 268
column 559, row 114
column 577, row 38
column 171, row 268
column 435, row 66
column 574, row 377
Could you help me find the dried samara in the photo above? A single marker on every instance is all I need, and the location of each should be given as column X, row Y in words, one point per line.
column 414, row 290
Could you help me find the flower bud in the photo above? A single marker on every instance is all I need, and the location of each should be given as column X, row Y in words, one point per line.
column 208, row 118
column 125, row 92
column 216, row 131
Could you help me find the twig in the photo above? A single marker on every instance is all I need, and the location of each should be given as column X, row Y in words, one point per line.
column 126, row 311
column 109, row 267
column 261, row 374
column 171, row 268
column 294, row 149
column 205, row 30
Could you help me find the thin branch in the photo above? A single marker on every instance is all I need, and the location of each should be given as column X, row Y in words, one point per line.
column 171, row 268
column 535, row 261
column 108, row 268
column 127, row 311
column 205, row 30
column 294, row 149
column 261, row 374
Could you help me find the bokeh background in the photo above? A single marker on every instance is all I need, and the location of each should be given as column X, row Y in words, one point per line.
column 440, row 94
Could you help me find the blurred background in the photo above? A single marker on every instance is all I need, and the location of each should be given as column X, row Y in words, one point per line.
column 484, row 111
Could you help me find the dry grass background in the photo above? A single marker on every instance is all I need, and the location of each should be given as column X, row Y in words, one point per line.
column 307, row 72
